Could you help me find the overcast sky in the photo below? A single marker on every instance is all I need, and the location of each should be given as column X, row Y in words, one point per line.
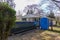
column 20, row 4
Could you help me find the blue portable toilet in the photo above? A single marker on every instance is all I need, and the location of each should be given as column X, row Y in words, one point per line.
column 44, row 23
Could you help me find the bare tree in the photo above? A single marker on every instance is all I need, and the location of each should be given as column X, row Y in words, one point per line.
column 55, row 2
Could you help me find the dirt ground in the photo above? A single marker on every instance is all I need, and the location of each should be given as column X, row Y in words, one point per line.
column 36, row 34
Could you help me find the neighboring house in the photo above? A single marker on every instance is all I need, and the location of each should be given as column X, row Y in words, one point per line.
column 31, row 17
column 10, row 2
column 28, row 17
column 57, row 15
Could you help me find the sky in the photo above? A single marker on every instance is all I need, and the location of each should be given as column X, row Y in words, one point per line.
column 21, row 4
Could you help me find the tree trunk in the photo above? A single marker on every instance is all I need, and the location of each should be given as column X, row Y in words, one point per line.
column 56, row 23
column 51, row 25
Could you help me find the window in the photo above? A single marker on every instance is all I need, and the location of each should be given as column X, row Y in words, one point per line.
column 36, row 19
column 24, row 19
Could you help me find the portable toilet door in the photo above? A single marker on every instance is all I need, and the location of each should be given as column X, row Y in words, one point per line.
column 44, row 23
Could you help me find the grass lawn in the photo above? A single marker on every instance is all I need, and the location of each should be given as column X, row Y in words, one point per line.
column 55, row 29
column 51, row 35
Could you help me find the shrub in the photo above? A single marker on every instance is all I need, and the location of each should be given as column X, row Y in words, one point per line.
column 7, row 20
